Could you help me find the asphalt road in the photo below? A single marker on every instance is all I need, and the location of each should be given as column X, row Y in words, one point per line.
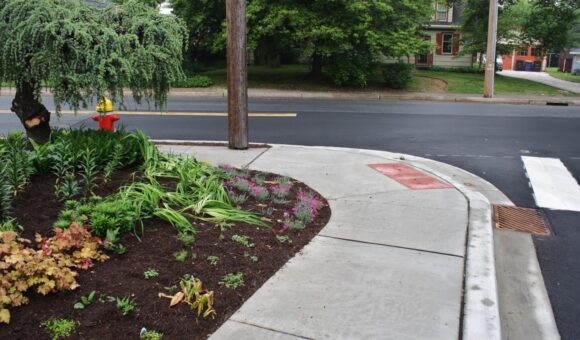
column 487, row 140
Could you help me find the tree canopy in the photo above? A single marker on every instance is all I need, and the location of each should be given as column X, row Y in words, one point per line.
column 80, row 53
column 345, row 36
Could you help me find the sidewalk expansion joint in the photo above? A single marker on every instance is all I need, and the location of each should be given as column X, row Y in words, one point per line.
column 270, row 329
column 366, row 194
column 258, row 156
column 392, row 246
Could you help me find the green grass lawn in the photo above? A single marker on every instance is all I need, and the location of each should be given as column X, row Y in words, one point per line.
column 553, row 71
column 297, row 77
column 473, row 83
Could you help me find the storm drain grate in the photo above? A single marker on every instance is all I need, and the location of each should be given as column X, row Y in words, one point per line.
column 520, row 219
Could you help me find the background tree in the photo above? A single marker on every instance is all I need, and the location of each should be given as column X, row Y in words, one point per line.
column 205, row 20
column 81, row 53
column 550, row 22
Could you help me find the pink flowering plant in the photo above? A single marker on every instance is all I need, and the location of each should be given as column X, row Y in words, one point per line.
column 307, row 208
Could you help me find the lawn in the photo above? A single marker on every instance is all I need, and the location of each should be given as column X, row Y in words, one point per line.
column 472, row 83
column 297, row 77
column 553, row 71
column 133, row 239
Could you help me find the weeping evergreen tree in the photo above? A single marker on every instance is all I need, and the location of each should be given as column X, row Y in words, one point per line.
column 80, row 53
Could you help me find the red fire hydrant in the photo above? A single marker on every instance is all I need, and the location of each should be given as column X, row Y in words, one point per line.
column 106, row 121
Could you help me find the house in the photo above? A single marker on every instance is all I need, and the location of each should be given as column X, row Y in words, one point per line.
column 570, row 61
column 443, row 30
column 526, row 58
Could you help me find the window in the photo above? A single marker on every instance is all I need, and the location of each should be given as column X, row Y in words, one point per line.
column 523, row 52
column 447, row 43
column 537, row 52
column 441, row 12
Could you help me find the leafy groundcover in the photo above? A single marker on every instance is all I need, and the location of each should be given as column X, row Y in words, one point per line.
column 102, row 237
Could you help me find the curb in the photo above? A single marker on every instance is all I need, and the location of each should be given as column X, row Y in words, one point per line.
column 370, row 96
column 480, row 318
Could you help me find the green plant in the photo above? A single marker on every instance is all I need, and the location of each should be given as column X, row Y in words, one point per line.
column 17, row 163
column 126, row 305
column 151, row 273
column 213, row 260
column 10, row 225
column 252, row 258
column 88, row 170
column 181, row 255
column 112, row 242
column 283, row 239
column 67, row 188
column 186, row 238
column 296, row 225
column 114, row 163
column 397, row 75
column 243, row 240
column 85, row 301
column 194, row 81
column 232, row 281
column 59, row 328
column 238, row 199
column 150, row 335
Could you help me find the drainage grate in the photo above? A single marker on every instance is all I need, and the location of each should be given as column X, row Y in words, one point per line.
column 520, row 219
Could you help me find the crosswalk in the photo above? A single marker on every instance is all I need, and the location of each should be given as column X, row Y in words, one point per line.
column 553, row 185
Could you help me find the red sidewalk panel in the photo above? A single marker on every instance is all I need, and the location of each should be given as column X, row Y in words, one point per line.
column 409, row 177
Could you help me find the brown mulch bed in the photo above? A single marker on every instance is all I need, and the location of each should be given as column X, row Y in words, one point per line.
column 122, row 275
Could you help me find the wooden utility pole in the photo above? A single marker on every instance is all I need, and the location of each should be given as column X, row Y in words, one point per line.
column 237, row 75
column 491, row 42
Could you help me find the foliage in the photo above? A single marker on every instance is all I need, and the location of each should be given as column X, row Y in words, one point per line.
column 194, row 81
column 59, row 328
column 10, row 225
column 88, row 170
column 243, row 240
column 213, row 260
column 151, row 273
column 551, row 21
column 151, row 335
column 67, row 188
column 283, row 239
column 186, row 238
column 398, row 75
column 181, row 255
column 126, row 305
column 193, row 294
column 112, row 242
column 49, row 269
column 85, row 301
column 252, row 258
column 232, row 281
column 81, row 52
column 16, row 163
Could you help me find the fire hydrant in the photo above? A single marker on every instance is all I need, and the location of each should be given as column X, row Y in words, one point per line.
column 106, row 121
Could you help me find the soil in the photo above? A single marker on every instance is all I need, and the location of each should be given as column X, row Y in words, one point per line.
column 429, row 84
column 123, row 275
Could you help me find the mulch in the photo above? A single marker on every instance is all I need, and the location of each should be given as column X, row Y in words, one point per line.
column 122, row 275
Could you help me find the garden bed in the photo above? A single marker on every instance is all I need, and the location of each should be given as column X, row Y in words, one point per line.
column 156, row 251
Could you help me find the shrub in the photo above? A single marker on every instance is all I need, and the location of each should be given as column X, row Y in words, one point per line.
column 397, row 75
column 194, row 81
column 59, row 328
column 350, row 70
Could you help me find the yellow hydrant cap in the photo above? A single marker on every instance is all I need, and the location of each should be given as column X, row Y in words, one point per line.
column 105, row 105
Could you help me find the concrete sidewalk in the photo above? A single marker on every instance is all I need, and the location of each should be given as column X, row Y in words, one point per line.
column 390, row 263
column 544, row 78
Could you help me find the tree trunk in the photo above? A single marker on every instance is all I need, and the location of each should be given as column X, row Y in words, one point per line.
column 34, row 116
column 316, row 65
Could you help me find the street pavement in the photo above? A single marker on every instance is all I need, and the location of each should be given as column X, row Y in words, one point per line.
column 487, row 140
column 544, row 78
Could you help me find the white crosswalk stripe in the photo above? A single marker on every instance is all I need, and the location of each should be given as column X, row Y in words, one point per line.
column 554, row 186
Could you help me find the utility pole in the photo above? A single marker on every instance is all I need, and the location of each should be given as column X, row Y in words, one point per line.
column 237, row 75
column 489, row 81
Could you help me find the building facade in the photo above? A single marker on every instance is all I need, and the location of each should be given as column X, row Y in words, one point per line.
column 526, row 58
